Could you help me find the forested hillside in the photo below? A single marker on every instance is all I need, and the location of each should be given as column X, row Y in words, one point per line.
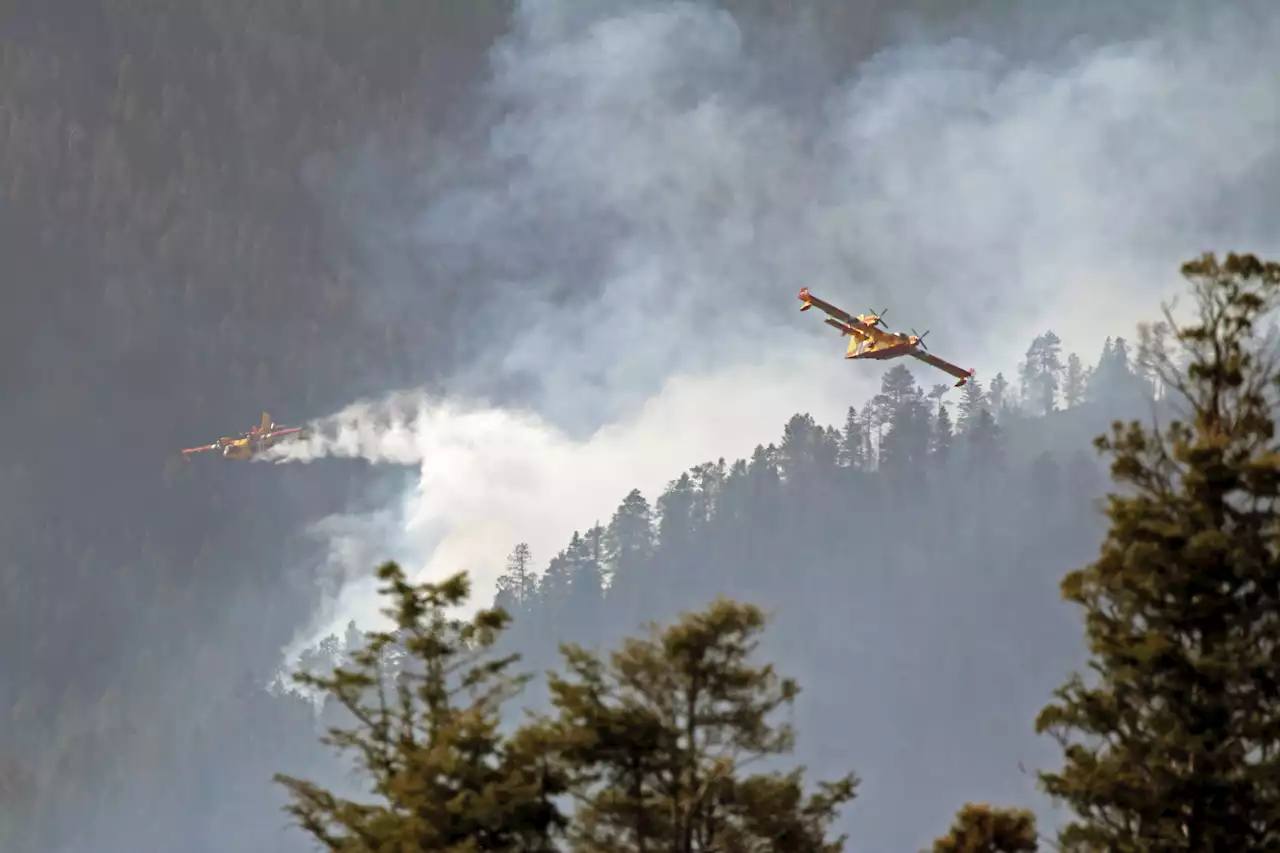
column 925, row 516
column 674, row 740
column 907, row 557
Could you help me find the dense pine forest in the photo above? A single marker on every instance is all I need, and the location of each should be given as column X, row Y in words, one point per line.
column 897, row 552
column 207, row 210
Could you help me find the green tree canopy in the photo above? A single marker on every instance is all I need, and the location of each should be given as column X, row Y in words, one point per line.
column 656, row 739
column 652, row 744
column 1172, row 743
column 428, row 741
column 979, row 828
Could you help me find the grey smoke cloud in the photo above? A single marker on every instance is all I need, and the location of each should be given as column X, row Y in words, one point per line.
column 644, row 152
column 490, row 476
column 651, row 198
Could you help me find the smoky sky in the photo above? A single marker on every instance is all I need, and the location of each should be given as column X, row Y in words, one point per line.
column 643, row 187
column 647, row 190
column 644, row 191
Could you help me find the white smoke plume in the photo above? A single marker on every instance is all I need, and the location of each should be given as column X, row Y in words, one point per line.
column 491, row 477
column 646, row 154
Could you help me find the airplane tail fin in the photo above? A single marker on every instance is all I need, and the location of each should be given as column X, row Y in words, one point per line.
column 266, row 422
column 855, row 343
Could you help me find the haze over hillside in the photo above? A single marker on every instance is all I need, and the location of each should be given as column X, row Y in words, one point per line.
column 570, row 237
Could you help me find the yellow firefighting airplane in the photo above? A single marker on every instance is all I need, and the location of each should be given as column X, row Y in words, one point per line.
column 248, row 444
column 867, row 341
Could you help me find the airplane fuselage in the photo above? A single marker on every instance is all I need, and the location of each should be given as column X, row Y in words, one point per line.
column 238, row 450
column 249, row 444
column 864, row 346
column 242, row 449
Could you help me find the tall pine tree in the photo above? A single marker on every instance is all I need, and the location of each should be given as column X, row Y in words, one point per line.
column 1074, row 382
column 628, row 548
column 853, row 441
column 998, row 397
column 1173, row 743
column 973, row 402
column 943, row 435
column 427, row 739
column 1042, row 372
column 656, row 740
column 518, row 585
column 979, row 828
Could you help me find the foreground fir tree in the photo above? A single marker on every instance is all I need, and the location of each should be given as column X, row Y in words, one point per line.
column 1173, row 742
column 979, row 828
column 656, row 740
column 427, row 739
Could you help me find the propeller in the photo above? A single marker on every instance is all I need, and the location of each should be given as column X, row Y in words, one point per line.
column 920, row 339
column 879, row 317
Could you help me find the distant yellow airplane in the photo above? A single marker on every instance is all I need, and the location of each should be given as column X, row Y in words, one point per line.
column 248, row 444
column 867, row 341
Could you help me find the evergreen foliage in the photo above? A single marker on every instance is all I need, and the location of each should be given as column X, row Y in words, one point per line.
column 978, row 828
column 652, row 744
column 427, row 738
column 1172, row 741
column 172, row 255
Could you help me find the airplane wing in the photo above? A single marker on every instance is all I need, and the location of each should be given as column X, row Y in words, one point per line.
column 279, row 432
column 843, row 321
column 213, row 446
column 946, row 366
column 811, row 301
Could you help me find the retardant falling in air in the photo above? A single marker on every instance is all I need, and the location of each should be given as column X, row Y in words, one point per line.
column 490, row 477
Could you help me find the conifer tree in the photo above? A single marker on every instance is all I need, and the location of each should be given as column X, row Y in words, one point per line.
column 708, row 483
column 985, row 443
column 677, row 538
column 853, row 441
column 629, row 544
column 428, row 740
column 1172, row 743
column 979, row 828
column 907, row 440
column 1103, row 373
column 556, row 582
column 898, row 388
column 519, row 583
column 628, row 540
column 586, row 592
column 1074, row 382
column 973, row 402
column 998, row 401
column 871, row 423
column 1041, row 373
column 656, row 738
column 943, row 434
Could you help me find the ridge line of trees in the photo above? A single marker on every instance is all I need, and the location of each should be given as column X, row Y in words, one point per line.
column 1170, row 744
